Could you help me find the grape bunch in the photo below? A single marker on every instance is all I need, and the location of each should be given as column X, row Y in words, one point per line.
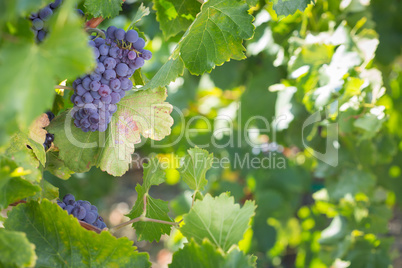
column 82, row 210
column 38, row 19
column 96, row 94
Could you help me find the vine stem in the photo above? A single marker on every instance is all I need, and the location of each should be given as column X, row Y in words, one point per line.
column 63, row 87
column 201, row 1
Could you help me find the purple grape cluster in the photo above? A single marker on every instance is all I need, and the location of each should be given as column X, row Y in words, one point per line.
column 96, row 94
column 82, row 210
column 39, row 18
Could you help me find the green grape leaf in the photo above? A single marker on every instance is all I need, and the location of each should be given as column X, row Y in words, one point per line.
column 175, row 16
column 153, row 174
column 370, row 124
column 236, row 259
column 47, row 190
column 142, row 11
column 101, row 8
column 61, row 241
column 289, row 7
column 205, row 255
column 219, row 219
column 63, row 54
column 143, row 112
column 216, row 35
column 25, row 157
column 15, row 250
column 194, row 168
column 352, row 181
column 154, row 209
column 56, row 166
column 193, row 255
column 12, row 187
column 172, row 69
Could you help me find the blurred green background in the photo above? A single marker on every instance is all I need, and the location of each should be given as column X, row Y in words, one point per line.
column 341, row 59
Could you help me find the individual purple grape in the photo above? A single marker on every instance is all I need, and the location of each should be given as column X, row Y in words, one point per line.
column 104, row 81
column 33, row 16
column 119, row 34
column 80, row 90
column 73, row 97
column 121, row 69
column 95, row 77
column 97, row 102
column 115, row 84
column 104, row 90
column 82, row 113
column 100, row 68
column 130, row 72
column 131, row 36
column 87, row 98
column 80, row 12
column 90, row 217
column 84, row 129
column 79, row 212
column 93, row 127
column 109, row 74
column 45, row 13
column 106, row 99
column 90, row 108
column 85, row 83
column 94, row 118
column 139, row 62
column 110, row 32
column 41, row 35
column 113, row 107
column 113, row 52
column 61, row 204
column 124, row 82
column 78, row 101
column 55, row 4
column 94, row 208
column 96, row 52
column 69, row 208
column 109, row 63
column 132, row 55
column 85, row 122
column 37, row 24
column 104, row 49
column 97, row 223
column 115, row 98
column 86, row 204
column 103, row 225
column 94, row 85
column 68, row 198
column 102, row 58
column 102, row 127
column 77, row 123
column 122, row 93
column 146, row 54
column 139, row 44
column 99, row 41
